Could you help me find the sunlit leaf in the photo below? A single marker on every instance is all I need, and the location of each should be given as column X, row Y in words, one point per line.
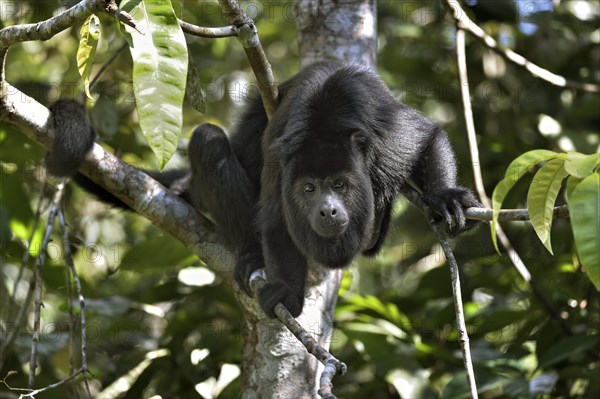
column 584, row 208
column 542, row 196
column 514, row 172
column 160, row 62
column 88, row 44
column 580, row 165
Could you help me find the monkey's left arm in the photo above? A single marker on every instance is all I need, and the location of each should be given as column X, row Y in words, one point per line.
column 435, row 174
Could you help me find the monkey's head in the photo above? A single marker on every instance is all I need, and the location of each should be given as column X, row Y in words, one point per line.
column 327, row 196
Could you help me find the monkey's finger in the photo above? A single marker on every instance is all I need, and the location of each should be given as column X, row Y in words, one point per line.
column 448, row 218
column 459, row 214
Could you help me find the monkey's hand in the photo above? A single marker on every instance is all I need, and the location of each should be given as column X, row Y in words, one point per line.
column 273, row 293
column 246, row 264
column 448, row 205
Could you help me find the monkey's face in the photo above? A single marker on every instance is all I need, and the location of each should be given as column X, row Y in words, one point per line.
column 328, row 204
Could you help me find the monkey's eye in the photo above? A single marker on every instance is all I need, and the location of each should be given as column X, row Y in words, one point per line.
column 309, row 188
column 338, row 184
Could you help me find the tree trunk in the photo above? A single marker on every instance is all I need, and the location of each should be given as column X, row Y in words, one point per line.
column 337, row 30
column 274, row 364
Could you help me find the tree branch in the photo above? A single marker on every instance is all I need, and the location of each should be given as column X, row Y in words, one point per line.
column 39, row 264
column 478, row 176
column 507, row 215
column 413, row 196
column 44, row 30
column 211, row 33
column 464, row 22
column 248, row 36
column 134, row 187
column 333, row 366
column 121, row 15
column 461, row 326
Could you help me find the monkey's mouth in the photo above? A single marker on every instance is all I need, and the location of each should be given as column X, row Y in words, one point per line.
column 331, row 230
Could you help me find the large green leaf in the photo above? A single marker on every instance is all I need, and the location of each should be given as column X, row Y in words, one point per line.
column 580, row 165
column 160, row 62
column 88, row 43
column 584, row 208
column 541, row 197
column 514, row 172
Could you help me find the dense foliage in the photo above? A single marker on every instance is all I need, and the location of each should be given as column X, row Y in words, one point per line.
column 395, row 321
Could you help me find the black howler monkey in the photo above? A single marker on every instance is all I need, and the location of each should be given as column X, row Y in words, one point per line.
column 317, row 181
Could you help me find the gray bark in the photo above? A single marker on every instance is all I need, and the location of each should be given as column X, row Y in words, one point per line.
column 274, row 364
column 344, row 30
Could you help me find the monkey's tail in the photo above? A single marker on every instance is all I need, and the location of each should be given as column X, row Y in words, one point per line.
column 73, row 138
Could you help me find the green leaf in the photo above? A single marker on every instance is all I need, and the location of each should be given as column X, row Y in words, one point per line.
column 160, row 62
column 514, row 172
column 88, row 44
column 541, row 197
column 565, row 348
column 584, row 209
column 572, row 183
column 580, row 165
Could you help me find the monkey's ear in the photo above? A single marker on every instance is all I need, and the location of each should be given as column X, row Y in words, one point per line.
column 360, row 141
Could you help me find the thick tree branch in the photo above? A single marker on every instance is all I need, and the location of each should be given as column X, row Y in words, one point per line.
column 139, row 191
column 464, row 22
column 333, row 366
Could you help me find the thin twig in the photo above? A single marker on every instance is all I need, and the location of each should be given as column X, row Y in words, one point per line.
column 211, row 33
column 38, row 280
column 333, row 366
column 461, row 326
column 507, row 215
column 25, row 258
column 69, row 307
column 73, row 272
column 468, row 113
column 413, row 196
column 113, row 10
column 6, row 345
column 464, row 22
column 477, row 174
column 30, row 393
column 107, row 63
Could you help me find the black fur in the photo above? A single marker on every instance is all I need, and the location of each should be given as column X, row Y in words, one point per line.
column 74, row 137
column 317, row 181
